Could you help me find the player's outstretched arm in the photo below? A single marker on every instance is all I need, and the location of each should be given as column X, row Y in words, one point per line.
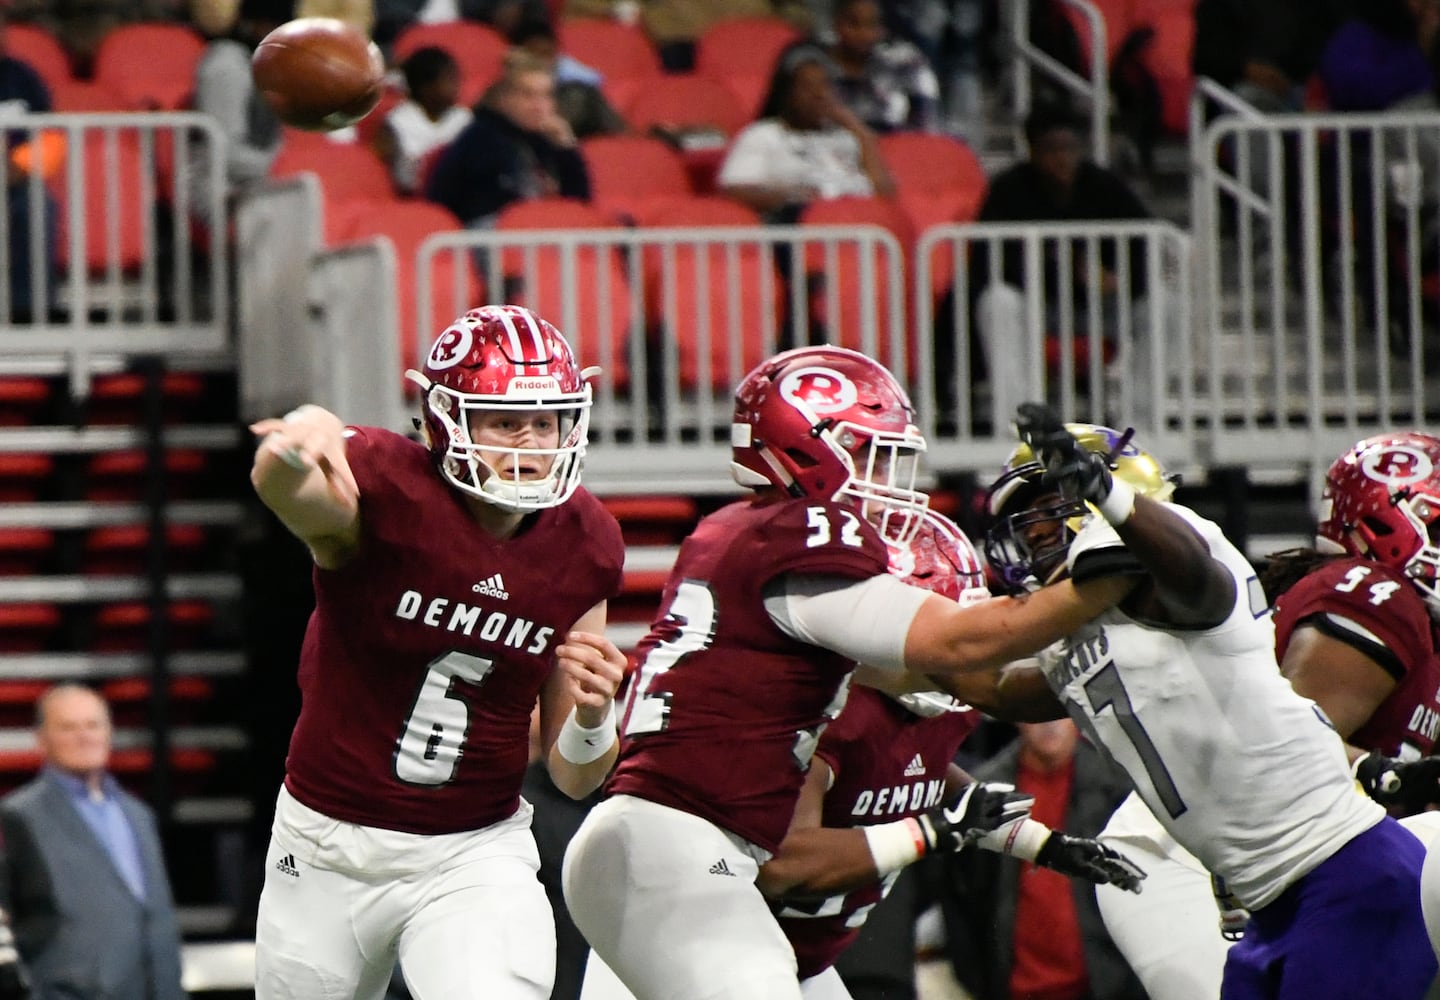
column 577, row 707
column 948, row 638
column 815, row 861
column 1194, row 588
column 301, row 474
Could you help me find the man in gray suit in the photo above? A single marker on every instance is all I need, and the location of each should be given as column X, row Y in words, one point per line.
column 83, row 877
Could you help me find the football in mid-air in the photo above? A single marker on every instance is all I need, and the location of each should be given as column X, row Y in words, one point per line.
column 318, row 73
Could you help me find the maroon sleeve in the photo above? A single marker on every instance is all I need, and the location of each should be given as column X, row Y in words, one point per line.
column 602, row 533
column 1363, row 604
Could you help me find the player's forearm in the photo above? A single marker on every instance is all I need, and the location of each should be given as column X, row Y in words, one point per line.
column 1190, row 581
column 946, row 638
column 579, row 780
column 818, row 862
column 300, row 498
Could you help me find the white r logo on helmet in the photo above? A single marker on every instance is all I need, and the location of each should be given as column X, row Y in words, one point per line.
column 1397, row 465
column 820, row 390
column 451, row 347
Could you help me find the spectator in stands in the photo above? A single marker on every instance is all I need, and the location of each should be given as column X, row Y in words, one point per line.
column 359, row 14
column 225, row 90
column 518, row 147
column 1017, row 930
column 806, row 145
column 28, row 204
column 83, row 874
column 676, row 25
column 426, row 121
column 1383, row 57
column 887, row 82
column 394, row 16
column 1057, row 183
column 1264, row 50
column 577, row 86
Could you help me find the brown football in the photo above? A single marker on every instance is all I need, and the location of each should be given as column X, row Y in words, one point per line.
column 318, row 73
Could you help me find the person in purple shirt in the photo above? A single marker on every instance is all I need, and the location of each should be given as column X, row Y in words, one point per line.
column 83, row 877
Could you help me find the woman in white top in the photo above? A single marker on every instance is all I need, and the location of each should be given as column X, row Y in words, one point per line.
column 806, row 144
column 427, row 121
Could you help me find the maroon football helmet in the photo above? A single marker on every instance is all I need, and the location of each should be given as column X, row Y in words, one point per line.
column 829, row 423
column 940, row 559
column 1382, row 502
column 504, row 358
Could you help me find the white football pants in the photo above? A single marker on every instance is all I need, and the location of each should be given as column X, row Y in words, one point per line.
column 668, row 901
column 464, row 913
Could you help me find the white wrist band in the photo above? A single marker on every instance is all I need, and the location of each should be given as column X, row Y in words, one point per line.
column 895, row 845
column 579, row 745
column 1120, row 504
column 1021, row 839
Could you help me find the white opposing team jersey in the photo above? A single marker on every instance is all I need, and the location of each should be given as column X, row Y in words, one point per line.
column 1243, row 772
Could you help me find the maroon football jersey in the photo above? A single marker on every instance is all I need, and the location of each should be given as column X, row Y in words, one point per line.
column 888, row 764
column 725, row 710
column 1390, row 625
column 426, row 652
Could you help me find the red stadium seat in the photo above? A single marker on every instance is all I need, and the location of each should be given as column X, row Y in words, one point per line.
column 114, row 172
column 629, row 173
column 741, row 53
column 622, row 53
column 22, row 476
column 80, row 95
column 125, row 627
column 120, row 398
column 27, row 628
column 935, row 169
column 41, row 51
column 736, row 294
column 598, row 274
column 1119, row 18
column 347, row 173
column 23, row 399
column 480, row 51
column 120, row 475
column 687, row 102
column 124, row 549
column 407, row 224
column 653, row 519
column 1169, row 57
column 151, row 66
column 843, row 281
column 22, row 550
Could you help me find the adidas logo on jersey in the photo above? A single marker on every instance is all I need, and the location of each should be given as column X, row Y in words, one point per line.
column 493, row 587
column 915, row 768
column 721, row 868
column 286, row 866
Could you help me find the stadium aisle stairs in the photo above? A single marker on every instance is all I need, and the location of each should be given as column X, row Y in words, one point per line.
column 74, row 595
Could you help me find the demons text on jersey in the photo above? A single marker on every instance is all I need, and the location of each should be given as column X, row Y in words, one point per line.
column 899, row 799
column 472, row 619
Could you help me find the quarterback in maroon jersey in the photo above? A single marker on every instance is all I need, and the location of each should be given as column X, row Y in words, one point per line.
column 771, row 602
column 885, row 762
column 458, row 583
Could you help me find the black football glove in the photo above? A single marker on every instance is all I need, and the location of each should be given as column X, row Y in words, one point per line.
column 981, row 806
column 1409, row 785
column 1077, row 472
column 1081, row 857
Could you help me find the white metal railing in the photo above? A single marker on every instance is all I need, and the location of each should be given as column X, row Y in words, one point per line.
column 119, row 233
column 1094, row 317
column 353, row 289
column 1094, row 90
column 676, row 317
column 1316, row 232
column 277, row 234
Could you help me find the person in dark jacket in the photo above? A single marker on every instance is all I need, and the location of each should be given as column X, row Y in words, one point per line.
column 1016, row 930
column 518, row 147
